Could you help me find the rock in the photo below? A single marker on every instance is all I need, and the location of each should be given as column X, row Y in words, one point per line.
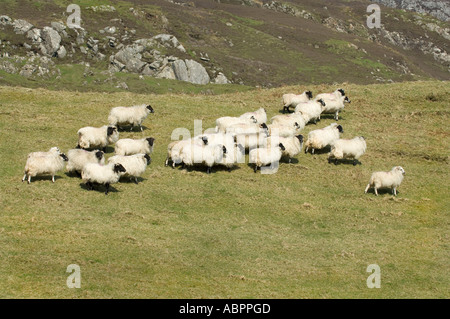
column 190, row 71
column 51, row 41
column 21, row 26
column 61, row 53
column 110, row 30
column 130, row 56
column 5, row 20
column 166, row 73
column 122, row 85
column 58, row 26
column 221, row 79
column 170, row 41
column 35, row 35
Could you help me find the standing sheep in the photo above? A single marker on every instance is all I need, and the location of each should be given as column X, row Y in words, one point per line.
column 40, row 163
column 292, row 145
column 311, row 110
column 134, row 165
column 233, row 155
column 129, row 115
column 174, row 149
column 282, row 130
column 291, row 100
column 209, row 155
column 293, row 119
column 321, row 138
column 264, row 156
column 391, row 179
column 343, row 149
column 334, row 102
column 222, row 123
column 79, row 157
column 94, row 173
column 98, row 137
column 128, row 146
column 260, row 115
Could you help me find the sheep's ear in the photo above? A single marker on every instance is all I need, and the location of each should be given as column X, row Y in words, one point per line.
column 342, row 91
column 309, row 94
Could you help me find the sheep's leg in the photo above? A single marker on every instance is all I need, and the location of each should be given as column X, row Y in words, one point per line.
column 312, row 151
column 355, row 162
column 140, row 126
column 29, row 179
column 255, row 168
column 336, row 116
column 53, row 178
column 135, row 180
column 173, row 164
column 376, row 190
column 335, row 161
column 395, row 191
column 306, row 149
column 24, row 177
column 107, row 188
column 367, row 188
column 289, row 160
column 166, row 163
column 208, row 170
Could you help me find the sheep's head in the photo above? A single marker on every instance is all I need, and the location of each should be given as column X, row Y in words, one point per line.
column 55, row 150
column 118, row 168
column 110, row 131
column 309, row 94
column 64, row 157
column 400, row 169
column 347, row 100
column 282, row 146
column 321, row 101
column 149, row 107
column 342, row 91
column 205, row 140
column 263, row 126
column 147, row 157
column 150, row 141
column 300, row 138
column 340, row 129
column 254, row 119
column 99, row 155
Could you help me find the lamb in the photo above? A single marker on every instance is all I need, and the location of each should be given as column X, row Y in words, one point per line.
column 222, row 123
column 40, row 163
column 97, row 137
column 343, row 149
column 391, row 179
column 291, row 100
column 293, row 119
column 209, row 155
column 311, row 110
column 174, row 149
column 282, row 130
column 260, row 115
column 334, row 102
column 95, row 173
column 292, row 145
column 133, row 115
column 321, row 138
column 134, row 165
column 79, row 157
column 128, row 146
column 264, row 156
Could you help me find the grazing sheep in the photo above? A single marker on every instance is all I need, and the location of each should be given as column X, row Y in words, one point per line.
column 94, row 173
column 97, row 137
column 222, row 123
column 292, row 145
column 291, row 100
column 293, row 119
column 209, row 155
column 128, row 146
column 334, row 102
column 79, row 157
column 134, row 165
column 260, row 115
column 311, row 110
column 264, row 156
column 391, row 179
column 282, row 130
column 343, row 149
column 174, row 149
column 132, row 115
column 321, row 138
column 41, row 163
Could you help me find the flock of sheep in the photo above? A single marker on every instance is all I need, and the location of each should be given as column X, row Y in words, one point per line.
column 225, row 146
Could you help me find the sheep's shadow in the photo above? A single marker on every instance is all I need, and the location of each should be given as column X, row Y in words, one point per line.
column 321, row 151
column 282, row 111
column 107, row 149
column 129, row 128
column 329, row 116
column 344, row 161
column 73, row 174
column 130, row 180
column 382, row 191
column 99, row 188
column 41, row 178
column 285, row 159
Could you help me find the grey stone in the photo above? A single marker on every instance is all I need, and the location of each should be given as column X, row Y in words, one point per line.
column 221, row 79
column 166, row 73
column 5, row 20
column 61, row 52
column 190, row 71
column 51, row 41
column 22, row 26
column 34, row 35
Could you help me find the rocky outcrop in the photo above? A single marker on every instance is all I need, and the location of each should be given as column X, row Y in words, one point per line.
column 437, row 8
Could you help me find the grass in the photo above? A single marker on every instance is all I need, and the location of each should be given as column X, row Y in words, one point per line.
column 308, row 231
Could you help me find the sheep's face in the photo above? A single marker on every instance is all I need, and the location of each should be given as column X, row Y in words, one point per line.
column 340, row 129
column 147, row 157
column 205, row 140
column 347, row 100
column 110, row 131
column 342, row 91
column 118, row 168
column 99, row 155
column 264, row 126
column 300, row 138
column 254, row 119
column 400, row 169
column 322, row 102
column 55, row 150
column 64, row 157
column 149, row 107
column 282, row 146
column 309, row 94
column 150, row 141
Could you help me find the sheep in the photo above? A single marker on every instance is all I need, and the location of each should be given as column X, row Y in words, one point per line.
column 246, row 129
column 134, row 165
column 293, row 119
column 79, row 157
column 234, row 154
column 291, row 99
column 174, row 149
column 391, row 179
column 311, row 110
column 264, row 156
column 128, row 146
column 133, row 115
column 282, row 130
column 334, row 102
column 40, row 163
column 344, row 148
column 98, row 137
column 251, row 141
column 197, row 154
column 321, row 138
column 95, row 173
column 260, row 115
column 292, row 145
column 222, row 123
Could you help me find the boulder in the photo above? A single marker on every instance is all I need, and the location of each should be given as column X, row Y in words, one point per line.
column 5, row 20
column 22, row 26
column 51, row 41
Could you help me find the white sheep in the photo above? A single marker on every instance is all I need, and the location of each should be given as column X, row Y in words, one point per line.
column 311, row 110
column 247, row 128
column 291, row 100
column 222, row 123
column 41, row 163
column 129, row 115
column 251, row 141
column 79, row 157
column 334, row 102
column 128, row 146
column 264, row 156
column 344, row 148
column 134, row 165
column 209, row 155
column 391, row 179
column 97, row 137
column 293, row 119
column 292, row 145
column 260, row 115
column 95, row 173
column 282, row 130
column 235, row 154
column 174, row 149
column 321, row 138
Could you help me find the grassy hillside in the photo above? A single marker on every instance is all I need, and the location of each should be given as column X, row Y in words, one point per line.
column 308, row 231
